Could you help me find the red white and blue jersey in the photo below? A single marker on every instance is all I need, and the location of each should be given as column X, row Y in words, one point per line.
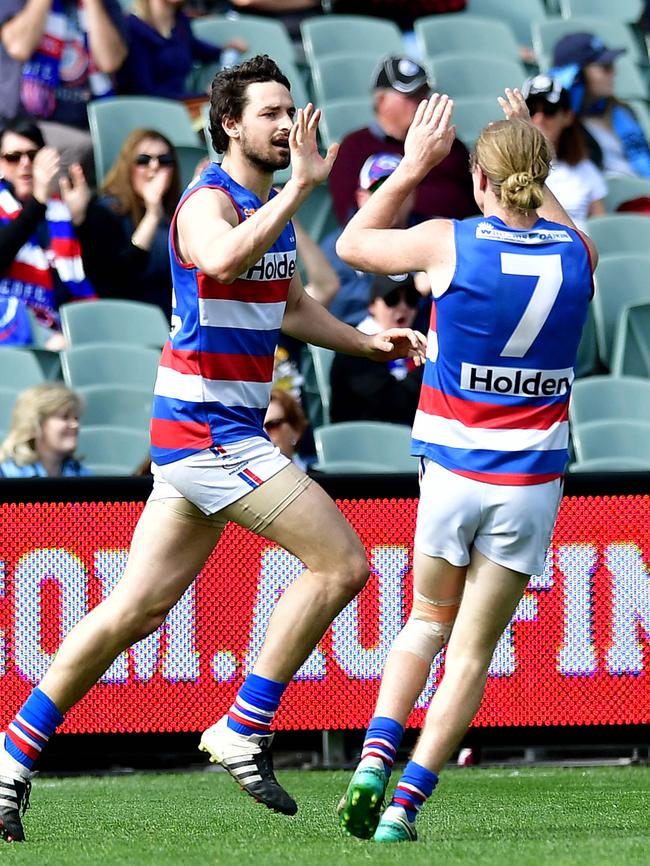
column 502, row 352
column 214, row 379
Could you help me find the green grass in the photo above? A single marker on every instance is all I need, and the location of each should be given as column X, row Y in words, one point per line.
column 483, row 817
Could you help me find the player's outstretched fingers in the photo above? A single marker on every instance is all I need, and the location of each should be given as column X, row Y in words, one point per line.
column 431, row 107
column 330, row 156
column 313, row 120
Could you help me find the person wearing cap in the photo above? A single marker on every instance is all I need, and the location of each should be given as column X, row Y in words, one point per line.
column 363, row 391
column 575, row 181
column 398, row 85
column 585, row 66
column 350, row 304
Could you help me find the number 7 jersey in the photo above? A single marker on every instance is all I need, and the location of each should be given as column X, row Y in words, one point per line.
column 502, row 352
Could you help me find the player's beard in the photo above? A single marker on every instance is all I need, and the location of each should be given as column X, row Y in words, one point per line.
column 265, row 162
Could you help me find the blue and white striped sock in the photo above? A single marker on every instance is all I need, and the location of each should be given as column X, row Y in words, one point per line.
column 414, row 788
column 255, row 705
column 31, row 728
column 382, row 741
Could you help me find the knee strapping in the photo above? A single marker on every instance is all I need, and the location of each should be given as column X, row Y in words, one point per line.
column 428, row 628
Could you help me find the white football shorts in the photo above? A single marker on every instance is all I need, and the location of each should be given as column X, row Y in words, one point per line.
column 511, row 525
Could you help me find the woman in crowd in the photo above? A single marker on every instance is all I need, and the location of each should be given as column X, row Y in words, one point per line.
column 163, row 50
column 44, row 434
column 124, row 230
column 285, row 423
column 574, row 179
column 40, row 255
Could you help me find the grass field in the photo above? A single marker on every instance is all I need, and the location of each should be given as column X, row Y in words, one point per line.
column 483, row 817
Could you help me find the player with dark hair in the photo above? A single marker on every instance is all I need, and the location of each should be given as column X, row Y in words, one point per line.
column 233, row 258
column 511, row 291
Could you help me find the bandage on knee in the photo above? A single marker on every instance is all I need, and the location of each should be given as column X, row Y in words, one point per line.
column 428, row 628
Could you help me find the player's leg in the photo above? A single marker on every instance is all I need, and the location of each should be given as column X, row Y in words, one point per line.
column 437, row 590
column 166, row 553
column 297, row 514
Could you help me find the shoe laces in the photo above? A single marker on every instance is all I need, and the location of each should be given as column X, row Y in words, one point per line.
column 24, row 801
column 265, row 765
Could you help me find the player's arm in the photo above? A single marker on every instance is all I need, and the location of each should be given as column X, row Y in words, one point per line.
column 307, row 320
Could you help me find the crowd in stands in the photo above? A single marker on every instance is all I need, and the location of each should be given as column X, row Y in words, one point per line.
column 69, row 234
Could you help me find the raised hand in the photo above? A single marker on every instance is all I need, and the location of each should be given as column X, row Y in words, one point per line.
column 398, row 343
column 154, row 189
column 430, row 135
column 309, row 168
column 514, row 105
column 75, row 193
column 46, row 164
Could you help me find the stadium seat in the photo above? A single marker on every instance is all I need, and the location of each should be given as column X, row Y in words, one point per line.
column 119, row 406
column 623, row 189
column 108, row 469
column 611, row 464
column 468, row 75
column 619, row 233
column 117, row 446
column 620, row 280
column 107, row 321
column 605, row 398
column 616, row 439
column 7, row 403
column 111, row 120
column 262, row 35
column 629, row 82
column 471, row 114
column 19, row 367
column 110, row 364
column 316, row 366
column 613, row 33
column 625, row 11
column 344, row 75
column 387, row 446
column 332, row 34
column 342, row 116
column 587, row 357
column 519, row 15
column 316, row 214
column 631, row 350
column 437, row 35
column 188, row 158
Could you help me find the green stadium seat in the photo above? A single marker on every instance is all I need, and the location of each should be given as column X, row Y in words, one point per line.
column 605, row 398
column 119, row 406
column 613, row 33
column 469, row 75
column 611, row 464
column 587, row 358
column 315, row 369
column 7, row 403
column 471, row 114
column 624, row 11
column 365, row 443
column 108, row 469
column 110, row 364
column 620, row 280
column 619, row 438
column 107, row 321
column 20, row 368
column 111, row 120
column 629, row 82
column 262, row 35
column 622, row 189
column 631, row 350
column 332, row 34
column 117, row 446
column 189, row 157
column 619, row 233
column 519, row 15
column 342, row 76
column 437, row 35
column 316, row 214
column 342, row 116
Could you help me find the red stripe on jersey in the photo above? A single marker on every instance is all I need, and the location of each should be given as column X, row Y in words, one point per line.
column 495, row 416
column 22, row 744
column 256, row 291
column 29, row 274
column 180, row 434
column 515, row 479
column 215, row 365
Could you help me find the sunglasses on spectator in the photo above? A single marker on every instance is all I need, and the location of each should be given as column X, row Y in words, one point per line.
column 16, row 155
column 164, row 159
column 274, row 424
column 409, row 295
column 548, row 109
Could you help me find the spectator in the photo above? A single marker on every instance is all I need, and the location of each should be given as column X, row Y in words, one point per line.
column 574, row 179
column 351, row 301
column 399, row 84
column 585, row 66
column 163, row 49
column 364, row 390
column 40, row 256
column 44, row 434
column 69, row 51
column 285, row 423
column 124, row 231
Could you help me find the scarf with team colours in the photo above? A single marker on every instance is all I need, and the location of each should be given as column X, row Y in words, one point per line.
column 41, row 72
column 30, row 276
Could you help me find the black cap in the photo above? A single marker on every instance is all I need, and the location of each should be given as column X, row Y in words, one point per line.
column 583, row 48
column 382, row 286
column 546, row 89
column 401, row 74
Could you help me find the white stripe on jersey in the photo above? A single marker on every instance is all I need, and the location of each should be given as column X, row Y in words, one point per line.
column 432, row 346
column 453, row 434
column 195, row 389
column 239, row 314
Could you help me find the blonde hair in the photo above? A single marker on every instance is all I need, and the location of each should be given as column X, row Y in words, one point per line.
column 34, row 406
column 515, row 157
